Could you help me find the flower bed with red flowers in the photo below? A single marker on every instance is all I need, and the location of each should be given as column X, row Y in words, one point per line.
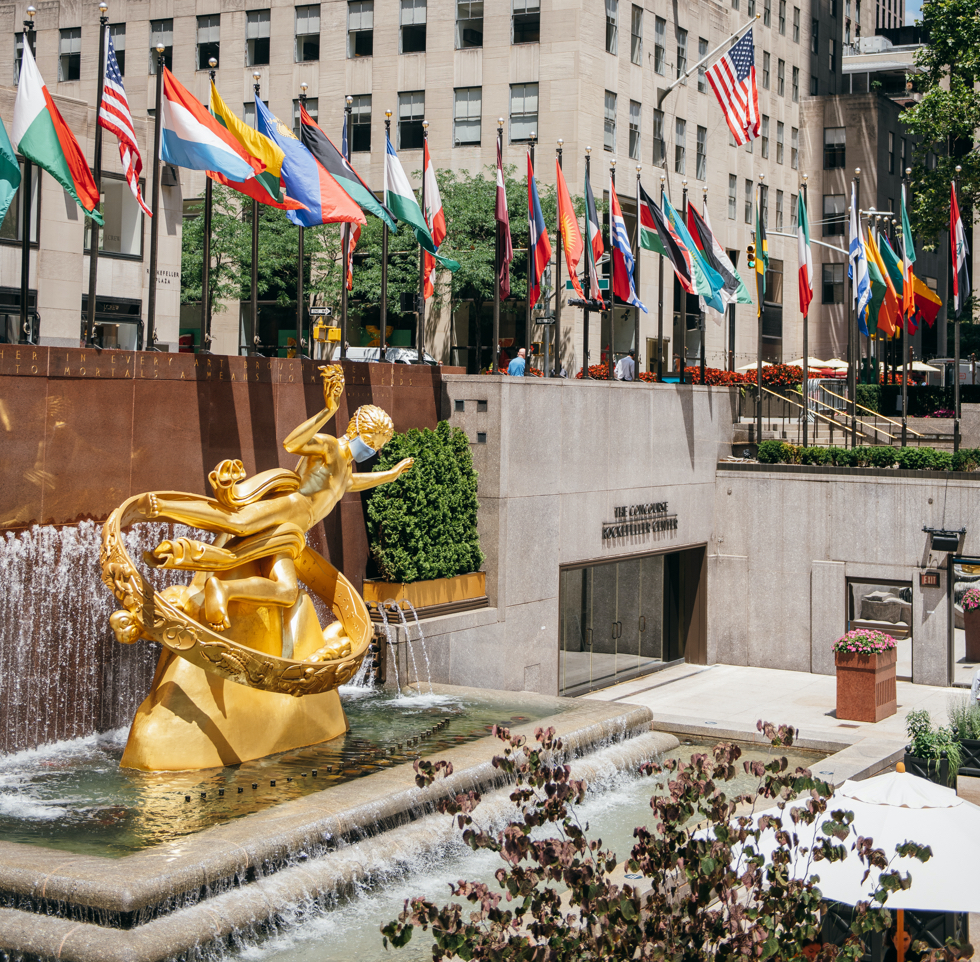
column 503, row 370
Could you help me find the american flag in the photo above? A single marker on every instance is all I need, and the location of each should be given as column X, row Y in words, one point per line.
column 115, row 117
column 733, row 80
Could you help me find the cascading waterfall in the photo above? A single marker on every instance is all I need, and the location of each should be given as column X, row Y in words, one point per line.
column 421, row 638
column 408, row 642
column 391, row 646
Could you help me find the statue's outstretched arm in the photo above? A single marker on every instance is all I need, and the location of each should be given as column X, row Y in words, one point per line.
column 299, row 439
column 372, row 479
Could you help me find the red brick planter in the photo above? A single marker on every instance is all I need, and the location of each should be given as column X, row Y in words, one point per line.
column 971, row 630
column 866, row 685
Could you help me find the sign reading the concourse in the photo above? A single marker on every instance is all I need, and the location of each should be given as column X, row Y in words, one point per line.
column 639, row 521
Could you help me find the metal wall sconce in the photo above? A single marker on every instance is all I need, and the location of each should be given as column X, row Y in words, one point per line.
column 943, row 540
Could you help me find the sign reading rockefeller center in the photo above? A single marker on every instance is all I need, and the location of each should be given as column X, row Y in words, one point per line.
column 639, row 521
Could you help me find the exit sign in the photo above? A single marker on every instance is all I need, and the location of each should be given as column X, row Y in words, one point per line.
column 928, row 579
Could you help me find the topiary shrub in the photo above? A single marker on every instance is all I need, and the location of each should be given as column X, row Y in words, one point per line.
column 915, row 459
column 771, row 452
column 966, row 459
column 423, row 525
column 880, row 457
column 814, row 456
column 942, row 461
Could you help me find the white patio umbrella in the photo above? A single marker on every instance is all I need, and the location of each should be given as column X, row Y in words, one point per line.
column 892, row 809
column 836, row 363
column 923, row 367
column 810, row 362
column 751, row 367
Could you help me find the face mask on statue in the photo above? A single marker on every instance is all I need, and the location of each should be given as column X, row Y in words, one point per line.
column 359, row 450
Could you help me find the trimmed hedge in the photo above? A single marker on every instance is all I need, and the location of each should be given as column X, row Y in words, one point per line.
column 423, row 525
column 909, row 459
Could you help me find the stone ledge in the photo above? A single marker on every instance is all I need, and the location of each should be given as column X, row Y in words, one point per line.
column 830, row 469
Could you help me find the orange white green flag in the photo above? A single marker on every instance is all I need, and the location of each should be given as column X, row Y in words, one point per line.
column 40, row 134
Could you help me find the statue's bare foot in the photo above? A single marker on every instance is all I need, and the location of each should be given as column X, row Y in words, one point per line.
column 216, row 605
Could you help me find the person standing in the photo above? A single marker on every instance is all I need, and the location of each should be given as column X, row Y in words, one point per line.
column 516, row 367
column 626, row 367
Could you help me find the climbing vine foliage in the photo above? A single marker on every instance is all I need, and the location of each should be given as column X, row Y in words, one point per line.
column 423, row 525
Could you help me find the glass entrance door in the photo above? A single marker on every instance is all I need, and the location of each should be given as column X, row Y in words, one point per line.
column 623, row 618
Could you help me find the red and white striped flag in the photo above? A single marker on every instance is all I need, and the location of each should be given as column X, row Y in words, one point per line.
column 435, row 219
column 115, row 117
column 503, row 225
column 732, row 78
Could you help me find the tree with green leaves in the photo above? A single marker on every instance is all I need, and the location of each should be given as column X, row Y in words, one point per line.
column 945, row 121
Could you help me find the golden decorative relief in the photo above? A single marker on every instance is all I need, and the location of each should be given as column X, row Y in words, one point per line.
column 244, row 616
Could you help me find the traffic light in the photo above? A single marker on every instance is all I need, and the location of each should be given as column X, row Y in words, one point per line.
column 750, row 257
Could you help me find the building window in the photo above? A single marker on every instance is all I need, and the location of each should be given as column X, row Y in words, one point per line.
column 612, row 26
column 634, row 130
column 527, row 21
column 766, row 69
column 815, row 36
column 750, row 8
column 659, row 44
column 796, row 24
column 891, row 153
column 308, row 33
column 70, row 54
column 467, row 111
column 749, row 200
column 781, row 78
column 782, row 17
column 680, row 150
column 780, row 129
column 312, row 105
column 779, row 210
column 636, row 36
column 764, row 206
column 257, row 38
column 208, row 40
column 702, row 76
column 18, row 53
column 469, row 23
column 609, row 122
column 701, row 171
column 833, row 148
column 732, row 196
column 833, row 284
column 903, row 159
column 523, row 112
column 411, row 113
column 767, row 13
column 248, row 113
column 118, row 33
column 161, row 32
column 794, row 148
column 834, row 215
column 681, row 51
column 774, row 295
column 360, row 28
column 122, row 234
column 12, row 226
column 734, row 4
column 794, row 220
column 360, row 112
column 796, row 85
column 765, row 137
column 659, row 147
column 412, row 38
column 832, row 54
column 814, row 85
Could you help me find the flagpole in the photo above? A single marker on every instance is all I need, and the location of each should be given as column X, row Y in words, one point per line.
column 956, row 332
column 530, row 271
column 612, row 297
column 151, row 299
column 495, row 349
column 300, row 255
column 588, row 277
column 557, row 367
column 251, row 348
column 806, row 337
column 93, row 254
column 345, row 243
column 851, row 337
column 420, row 339
column 382, row 351
column 682, row 348
column 760, row 283
column 206, row 263
column 704, row 326
column 25, row 241
column 905, row 328
column 660, row 299
column 636, row 311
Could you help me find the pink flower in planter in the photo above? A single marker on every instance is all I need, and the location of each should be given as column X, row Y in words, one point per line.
column 971, row 599
column 867, row 641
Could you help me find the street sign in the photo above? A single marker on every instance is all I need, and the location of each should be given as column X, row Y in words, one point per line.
column 603, row 284
column 320, row 312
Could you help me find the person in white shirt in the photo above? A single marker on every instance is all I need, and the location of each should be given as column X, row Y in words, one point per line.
column 626, row 367
column 975, row 688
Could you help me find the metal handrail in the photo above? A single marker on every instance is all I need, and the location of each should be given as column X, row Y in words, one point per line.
column 877, row 414
column 823, row 417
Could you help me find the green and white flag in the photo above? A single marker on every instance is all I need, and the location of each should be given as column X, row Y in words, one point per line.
column 400, row 200
column 9, row 172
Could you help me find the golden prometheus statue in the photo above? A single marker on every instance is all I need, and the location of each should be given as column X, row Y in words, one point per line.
column 246, row 669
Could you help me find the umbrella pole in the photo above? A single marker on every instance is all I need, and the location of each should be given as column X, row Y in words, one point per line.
column 900, row 936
